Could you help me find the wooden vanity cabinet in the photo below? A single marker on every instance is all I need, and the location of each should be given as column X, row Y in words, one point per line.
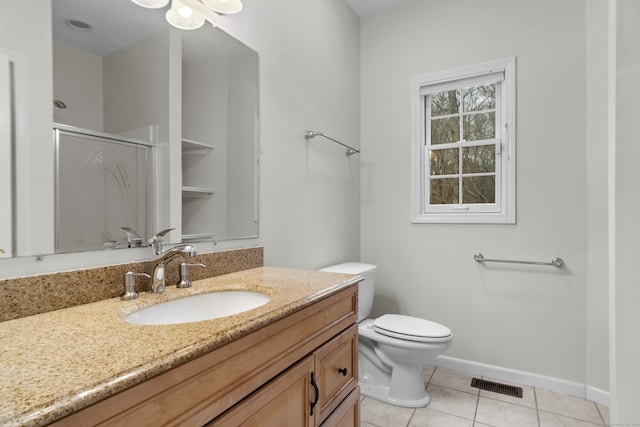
column 307, row 394
column 261, row 379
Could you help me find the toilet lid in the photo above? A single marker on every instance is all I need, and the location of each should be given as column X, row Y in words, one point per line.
column 409, row 328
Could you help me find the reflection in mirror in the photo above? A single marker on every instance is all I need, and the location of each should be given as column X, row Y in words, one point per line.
column 191, row 97
column 101, row 191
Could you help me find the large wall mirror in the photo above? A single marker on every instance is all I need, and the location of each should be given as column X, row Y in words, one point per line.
column 153, row 128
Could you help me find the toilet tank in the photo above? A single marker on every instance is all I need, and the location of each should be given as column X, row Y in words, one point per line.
column 365, row 287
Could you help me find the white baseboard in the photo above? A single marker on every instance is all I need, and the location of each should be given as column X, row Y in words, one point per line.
column 524, row 378
column 598, row 395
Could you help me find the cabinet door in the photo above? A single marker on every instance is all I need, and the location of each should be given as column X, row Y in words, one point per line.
column 283, row 402
column 347, row 414
column 336, row 367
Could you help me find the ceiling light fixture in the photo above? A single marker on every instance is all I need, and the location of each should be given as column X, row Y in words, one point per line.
column 151, row 4
column 226, row 7
column 183, row 17
column 192, row 15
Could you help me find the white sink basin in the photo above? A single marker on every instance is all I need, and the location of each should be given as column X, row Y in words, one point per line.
column 198, row 307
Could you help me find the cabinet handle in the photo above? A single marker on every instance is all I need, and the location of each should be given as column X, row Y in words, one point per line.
column 343, row 371
column 317, row 392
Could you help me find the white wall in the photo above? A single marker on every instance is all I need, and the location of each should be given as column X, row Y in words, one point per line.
column 597, row 351
column 528, row 318
column 241, row 173
column 309, row 79
column 78, row 83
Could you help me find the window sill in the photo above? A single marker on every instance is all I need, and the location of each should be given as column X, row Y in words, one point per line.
column 464, row 218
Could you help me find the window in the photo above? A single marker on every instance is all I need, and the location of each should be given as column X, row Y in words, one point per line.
column 464, row 145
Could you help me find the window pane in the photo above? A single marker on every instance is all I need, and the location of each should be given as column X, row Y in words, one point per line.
column 445, row 103
column 444, row 191
column 478, row 189
column 444, row 162
column 479, row 159
column 481, row 97
column 479, row 126
column 445, row 130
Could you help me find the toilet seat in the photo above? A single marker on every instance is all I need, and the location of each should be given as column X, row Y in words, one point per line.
column 410, row 328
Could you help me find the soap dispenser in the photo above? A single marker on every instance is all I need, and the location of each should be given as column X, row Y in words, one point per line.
column 130, row 285
column 185, row 281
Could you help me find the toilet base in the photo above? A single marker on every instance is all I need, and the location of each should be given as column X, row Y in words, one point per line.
column 381, row 393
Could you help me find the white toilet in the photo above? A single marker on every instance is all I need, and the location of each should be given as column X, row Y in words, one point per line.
column 392, row 348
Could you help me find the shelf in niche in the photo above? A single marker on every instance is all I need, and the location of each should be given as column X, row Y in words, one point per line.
column 192, row 192
column 190, row 146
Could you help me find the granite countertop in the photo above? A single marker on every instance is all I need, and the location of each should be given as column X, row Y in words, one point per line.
column 59, row 362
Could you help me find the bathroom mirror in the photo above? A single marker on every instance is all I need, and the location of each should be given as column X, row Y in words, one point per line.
column 122, row 73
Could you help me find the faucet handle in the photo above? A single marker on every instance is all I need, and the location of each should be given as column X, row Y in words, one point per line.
column 185, row 282
column 133, row 238
column 157, row 241
column 161, row 233
column 130, row 285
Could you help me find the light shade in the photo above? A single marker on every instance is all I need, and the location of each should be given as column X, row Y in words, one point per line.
column 224, row 6
column 183, row 17
column 151, row 4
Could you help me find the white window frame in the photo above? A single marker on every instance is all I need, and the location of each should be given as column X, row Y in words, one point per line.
column 504, row 210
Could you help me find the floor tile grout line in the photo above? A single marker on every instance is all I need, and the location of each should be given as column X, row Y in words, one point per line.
column 535, row 399
column 426, row 384
column 413, row 413
column 431, row 376
column 509, row 402
column 475, row 413
column 572, row 418
column 451, row 415
column 604, row 423
column 565, row 415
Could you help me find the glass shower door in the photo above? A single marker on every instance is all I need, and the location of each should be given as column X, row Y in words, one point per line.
column 102, row 189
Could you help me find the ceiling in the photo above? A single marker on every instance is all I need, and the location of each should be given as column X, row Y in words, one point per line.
column 134, row 23
column 120, row 23
column 105, row 38
column 364, row 8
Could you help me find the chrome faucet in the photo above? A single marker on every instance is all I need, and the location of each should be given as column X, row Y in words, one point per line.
column 159, row 265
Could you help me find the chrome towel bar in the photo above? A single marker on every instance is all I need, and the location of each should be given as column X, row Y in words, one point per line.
column 556, row 262
column 308, row 134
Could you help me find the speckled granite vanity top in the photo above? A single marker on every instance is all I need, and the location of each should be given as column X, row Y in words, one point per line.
column 56, row 363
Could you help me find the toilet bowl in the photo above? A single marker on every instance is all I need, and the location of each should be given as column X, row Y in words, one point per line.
column 392, row 347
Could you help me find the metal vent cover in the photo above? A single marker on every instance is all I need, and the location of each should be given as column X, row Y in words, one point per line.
column 509, row 390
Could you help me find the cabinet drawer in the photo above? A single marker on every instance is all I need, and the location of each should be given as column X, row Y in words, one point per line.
column 336, row 368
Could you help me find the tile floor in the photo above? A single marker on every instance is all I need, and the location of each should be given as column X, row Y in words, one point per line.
column 454, row 403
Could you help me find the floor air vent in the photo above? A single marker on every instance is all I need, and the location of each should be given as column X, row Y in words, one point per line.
column 497, row 387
